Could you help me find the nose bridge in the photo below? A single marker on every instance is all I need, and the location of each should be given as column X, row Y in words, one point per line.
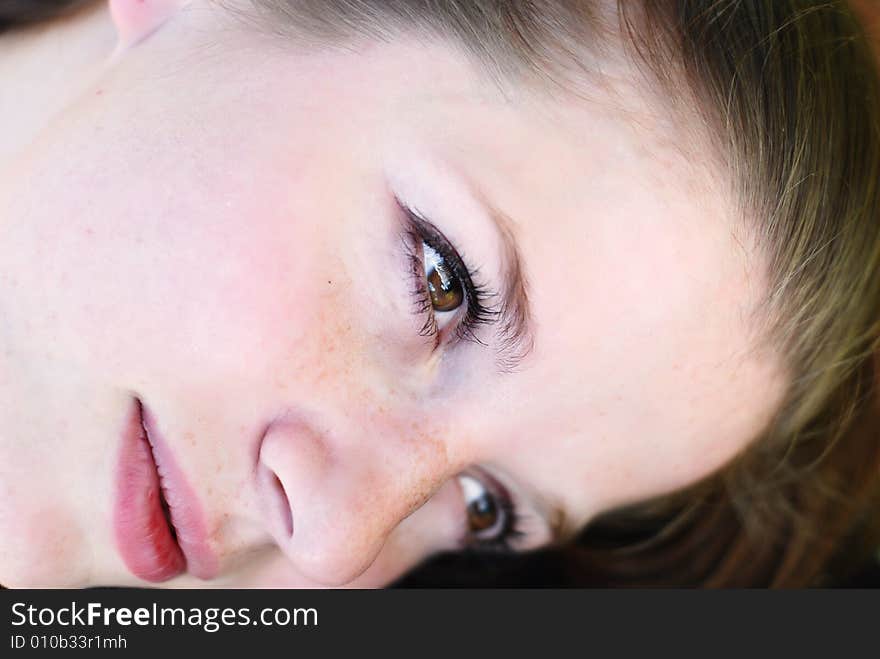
column 348, row 482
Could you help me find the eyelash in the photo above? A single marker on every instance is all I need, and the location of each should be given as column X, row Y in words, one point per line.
column 511, row 527
column 511, row 530
column 477, row 295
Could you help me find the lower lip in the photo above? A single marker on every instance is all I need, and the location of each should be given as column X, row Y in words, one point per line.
column 143, row 533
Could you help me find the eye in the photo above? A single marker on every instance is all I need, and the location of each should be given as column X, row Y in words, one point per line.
column 445, row 292
column 483, row 513
column 491, row 519
column 444, row 287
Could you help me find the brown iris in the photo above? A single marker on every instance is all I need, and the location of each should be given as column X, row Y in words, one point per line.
column 444, row 286
column 482, row 513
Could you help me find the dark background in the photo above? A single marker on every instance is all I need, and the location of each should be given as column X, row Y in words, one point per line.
column 546, row 569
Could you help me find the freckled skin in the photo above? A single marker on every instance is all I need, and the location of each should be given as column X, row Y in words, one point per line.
column 224, row 246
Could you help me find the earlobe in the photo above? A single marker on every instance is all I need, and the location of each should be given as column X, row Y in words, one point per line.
column 137, row 19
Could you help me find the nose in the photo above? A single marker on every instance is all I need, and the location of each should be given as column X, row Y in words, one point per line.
column 331, row 500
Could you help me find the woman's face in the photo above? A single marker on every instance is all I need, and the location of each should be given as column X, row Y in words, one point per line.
column 217, row 232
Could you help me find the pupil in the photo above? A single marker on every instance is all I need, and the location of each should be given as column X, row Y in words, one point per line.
column 482, row 513
column 445, row 289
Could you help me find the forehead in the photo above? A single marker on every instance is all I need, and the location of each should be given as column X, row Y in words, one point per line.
column 618, row 212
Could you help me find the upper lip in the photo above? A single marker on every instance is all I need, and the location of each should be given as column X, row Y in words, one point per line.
column 184, row 509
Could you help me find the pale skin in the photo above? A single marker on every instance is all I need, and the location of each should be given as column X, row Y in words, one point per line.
column 207, row 221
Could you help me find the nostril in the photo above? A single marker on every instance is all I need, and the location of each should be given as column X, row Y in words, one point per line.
column 292, row 463
column 284, row 505
column 276, row 501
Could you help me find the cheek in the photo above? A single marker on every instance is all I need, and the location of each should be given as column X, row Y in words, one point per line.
column 274, row 570
column 44, row 545
column 246, row 295
column 312, row 337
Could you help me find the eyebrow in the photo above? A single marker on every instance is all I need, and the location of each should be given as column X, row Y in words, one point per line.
column 516, row 329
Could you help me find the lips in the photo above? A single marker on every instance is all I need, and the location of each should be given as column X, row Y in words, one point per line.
column 158, row 524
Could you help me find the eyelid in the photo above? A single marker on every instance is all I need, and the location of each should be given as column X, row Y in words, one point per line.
column 507, row 531
column 535, row 524
column 445, row 191
column 478, row 310
column 413, row 245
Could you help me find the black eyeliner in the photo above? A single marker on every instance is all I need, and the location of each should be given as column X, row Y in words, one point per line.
column 477, row 296
column 502, row 541
column 510, row 530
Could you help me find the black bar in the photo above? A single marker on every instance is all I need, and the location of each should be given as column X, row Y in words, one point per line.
column 416, row 621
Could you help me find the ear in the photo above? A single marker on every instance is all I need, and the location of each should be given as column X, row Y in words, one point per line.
column 137, row 19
